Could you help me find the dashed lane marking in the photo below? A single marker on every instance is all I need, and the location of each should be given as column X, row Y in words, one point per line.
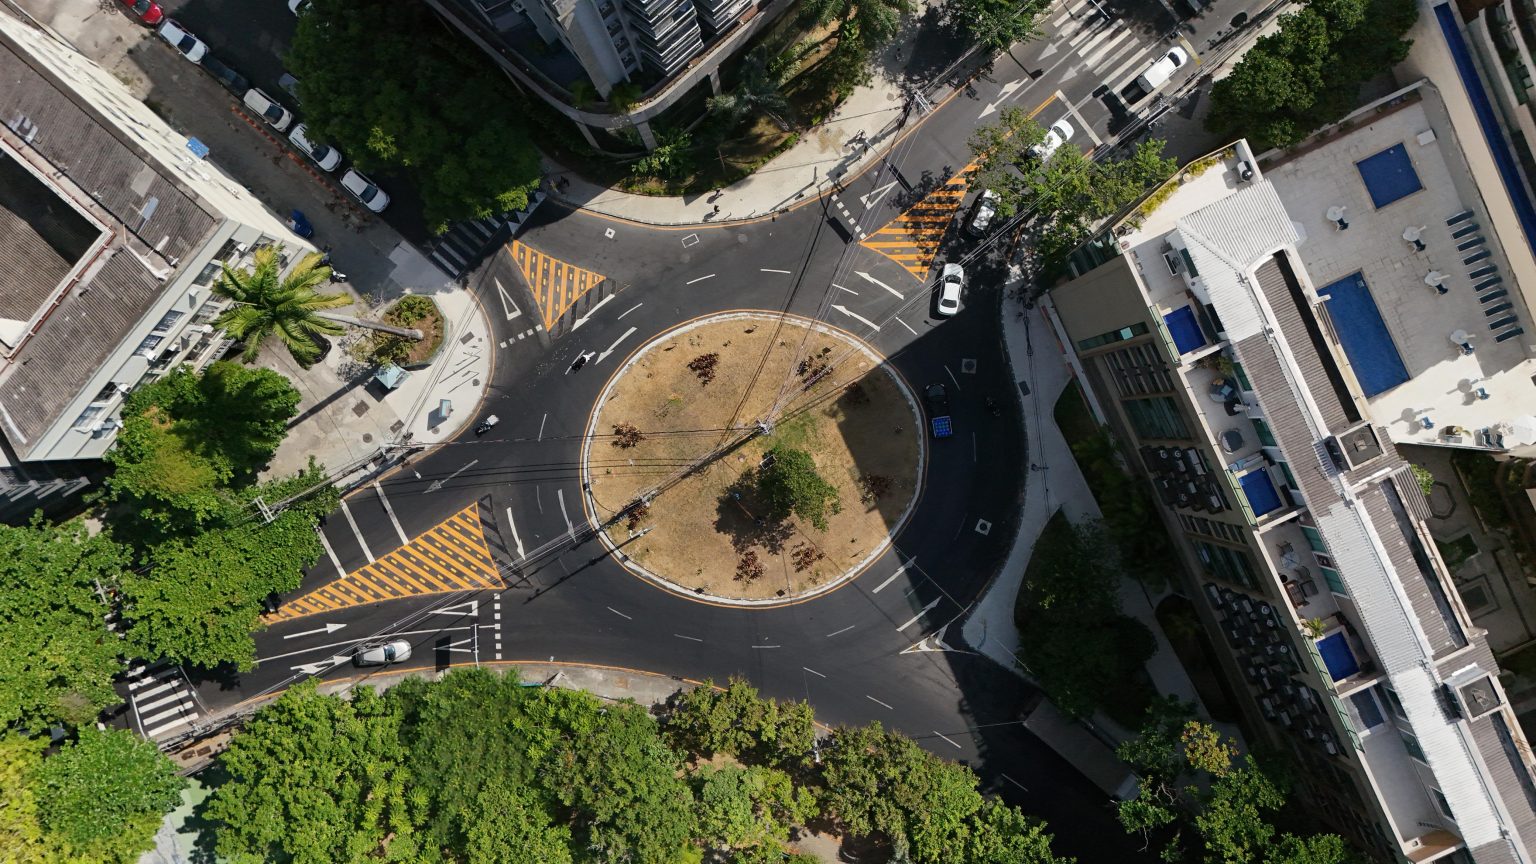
column 452, row 556
column 556, row 285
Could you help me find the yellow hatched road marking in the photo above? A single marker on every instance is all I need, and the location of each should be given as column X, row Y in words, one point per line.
column 922, row 226
column 555, row 284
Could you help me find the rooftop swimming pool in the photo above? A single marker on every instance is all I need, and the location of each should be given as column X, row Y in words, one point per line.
column 1359, row 325
column 1389, row 175
column 1337, row 657
column 1260, row 492
column 1184, row 329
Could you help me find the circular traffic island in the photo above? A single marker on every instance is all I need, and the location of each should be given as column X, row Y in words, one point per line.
column 695, row 495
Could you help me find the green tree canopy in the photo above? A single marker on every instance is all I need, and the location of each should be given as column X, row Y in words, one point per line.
column 57, row 658
column 999, row 834
column 504, row 825
column 859, row 30
column 793, row 485
column 103, row 796
column 270, row 305
column 996, row 24
column 752, row 806
column 737, row 721
column 394, row 89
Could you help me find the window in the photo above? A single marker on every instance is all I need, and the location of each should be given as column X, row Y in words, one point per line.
column 1444, row 805
column 209, row 273
column 1412, row 745
column 87, row 418
column 1157, row 417
column 1365, row 711
column 107, row 394
column 1224, row 562
column 168, row 321
column 1394, row 704
column 1335, row 584
column 1139, row 370
column 1242, row 377
column 1290, row 479
column 1314, row 538
column 148, row 346
column 1266, row 437
column 1124, row 333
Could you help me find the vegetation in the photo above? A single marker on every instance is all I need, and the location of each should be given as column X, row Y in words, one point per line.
column 1068, row 193
column 271, row 305
column 558, row 776
column 412, row 310
column 791, row 484
column 1423, row 477
column 394, row 89
column 1308, row 73
column 997, row 24
column 1074, row 640
column 1199, row 802
column 1479, row 474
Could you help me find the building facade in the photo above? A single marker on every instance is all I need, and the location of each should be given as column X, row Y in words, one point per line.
column 1258, row 336
column 112, row 232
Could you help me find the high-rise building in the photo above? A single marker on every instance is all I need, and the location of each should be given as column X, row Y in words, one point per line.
column 1260, row 334
column 112, row 230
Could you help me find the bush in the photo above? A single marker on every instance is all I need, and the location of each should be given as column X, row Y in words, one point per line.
column 791, row 484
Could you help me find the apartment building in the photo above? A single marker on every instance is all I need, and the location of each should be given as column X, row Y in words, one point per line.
column 112, row 230
column 1259, row 334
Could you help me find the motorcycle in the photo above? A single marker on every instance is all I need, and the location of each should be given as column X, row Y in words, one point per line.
column 486, row 424
column 325, row 261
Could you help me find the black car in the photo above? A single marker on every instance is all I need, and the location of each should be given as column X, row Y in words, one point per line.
column 233, row 81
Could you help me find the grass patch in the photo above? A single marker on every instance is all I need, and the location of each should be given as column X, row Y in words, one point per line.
column 412, row 310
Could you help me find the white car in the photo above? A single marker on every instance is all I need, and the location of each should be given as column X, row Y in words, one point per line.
column 1162, row 69
column 382, row 655
column 363, row 190
column 1060, row 132
column 182, row 40
column 325, row 156
column 950, row 283
column 985, row 210
column 276, row 115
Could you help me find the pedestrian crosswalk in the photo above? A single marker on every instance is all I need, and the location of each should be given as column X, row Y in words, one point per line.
column 913, row 238
column 163, row 703
column 452, row 556
column 556, row 285
column 1111, row 48
column 465, row 244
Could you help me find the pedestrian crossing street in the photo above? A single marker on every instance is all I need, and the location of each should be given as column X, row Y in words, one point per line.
column 162, row 700
column 451, row 556
column 555, row 284
column 913, row 238
column 1113, row 50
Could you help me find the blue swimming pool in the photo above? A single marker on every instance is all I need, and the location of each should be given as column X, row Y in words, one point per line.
column 1184, row 329
column 1260, row 492
column 1337, row 657
column 1367, row 343
column 1389, row 175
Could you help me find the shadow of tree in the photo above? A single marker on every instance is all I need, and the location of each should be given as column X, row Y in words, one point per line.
column 744, row 515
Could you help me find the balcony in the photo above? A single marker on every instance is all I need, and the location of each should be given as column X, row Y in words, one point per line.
column 1301, row 567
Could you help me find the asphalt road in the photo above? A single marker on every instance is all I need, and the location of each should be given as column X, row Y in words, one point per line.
column 885, row 647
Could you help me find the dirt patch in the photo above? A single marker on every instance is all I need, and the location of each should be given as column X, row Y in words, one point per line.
column 852, row 416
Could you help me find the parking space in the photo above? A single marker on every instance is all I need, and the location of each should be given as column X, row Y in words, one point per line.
column 250, row 35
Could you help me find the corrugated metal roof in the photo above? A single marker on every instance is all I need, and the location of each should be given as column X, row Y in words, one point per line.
column 1226, row 239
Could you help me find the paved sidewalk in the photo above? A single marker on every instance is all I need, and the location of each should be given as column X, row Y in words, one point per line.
column 346, row 416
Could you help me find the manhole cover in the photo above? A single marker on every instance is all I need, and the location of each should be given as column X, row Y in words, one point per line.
column 367, row 437
column 968, row 366
column 360, row 409
column 983, row 527
column 468, row 338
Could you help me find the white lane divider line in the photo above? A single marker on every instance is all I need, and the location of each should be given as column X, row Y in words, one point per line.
column 620, row 614
column 1014, row 782
column 516, row 541
column 947, row 738
column 689, row 638
column 919, row 615
column 844, row 630
column 905, row 324
column 813, row 671
column 878, row 702
column 347, row 512
column 330, row 553
column 700, row 279
column 767, row 646
column 569, row 528
column 629, row 310
column 841, row 288
column 892, row 578
column 391, row 511
column 771, row 270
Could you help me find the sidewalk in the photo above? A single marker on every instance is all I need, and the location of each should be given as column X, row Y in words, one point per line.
column 824, row 153
column 345, row 416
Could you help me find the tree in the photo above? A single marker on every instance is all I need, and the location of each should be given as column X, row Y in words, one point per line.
column 21, row 828
column 57, row 658
column 999, row 834
column 671, row 159
column 996, row 24
column 736, row 721
column 792, row 485
column 507, row 826
column 756, row 93
column 103, row 795
column 752, row 806
column 860, row 29
column 315, row 778
column 426, row 106
column 269, row 304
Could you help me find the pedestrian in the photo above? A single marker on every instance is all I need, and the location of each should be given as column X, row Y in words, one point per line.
column 716, row 210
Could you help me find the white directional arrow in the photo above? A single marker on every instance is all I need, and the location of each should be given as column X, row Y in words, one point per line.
column 869, row 278
column 933, row 643
column 1069, row 75
column 508, row 305
column 880, row 192
column 454, row 646
column 615, row 345
column 860, row 318
column 593, row 311
column 1003, row 96
column 459, row 609
column 327, row 629
column 921, row 613
column 317, row 668
column 438, row 484
column 1049, row 50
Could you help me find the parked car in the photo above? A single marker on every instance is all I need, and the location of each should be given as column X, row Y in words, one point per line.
column 952, row 280
column 1161, row 70
column 1060, row 132
column 325, row 156
column 277, row 116
column 182, row 40
column 936, row 400
column 382, row 655
column 982, row 213
column 233, row 81
column 290, row 86
column 363, row 190
column 147, row 11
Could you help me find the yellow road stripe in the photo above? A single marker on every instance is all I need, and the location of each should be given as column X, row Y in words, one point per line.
column 555, row 284
column 922, row 226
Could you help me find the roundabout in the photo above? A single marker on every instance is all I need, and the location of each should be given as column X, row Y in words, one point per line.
column 687, row 503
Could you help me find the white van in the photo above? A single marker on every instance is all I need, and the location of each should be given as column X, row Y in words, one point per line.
column 1160, row 71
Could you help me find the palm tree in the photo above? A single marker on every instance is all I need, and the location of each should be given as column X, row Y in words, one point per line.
column 268, row 303
column 757, row 92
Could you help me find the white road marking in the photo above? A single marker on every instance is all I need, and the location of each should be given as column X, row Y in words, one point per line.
column 317, row 668
column 1004, row 95
column 538, row 498
column 841, row 288
column 875, row 195
column 844, row 630
column 689, row 638
column 347, row 512
column 327, row 629
column 859, row 318
column 345, row 642
column 629, row 310
column 891, row 578
column 919, row 615
column 952, row 377
column 1014, row 782
column 868, row 278
column 508, row 305
column 771, row 270
column 516, row 541
column 331, row 553
column 767, row 646
column 542, row 421
column 603, row 356
column 620, row 614
column 391, row 511
column 468, row 607
column 590, row 312
column 700, row 279
column 571, row 529
column 877, row 701
column 438, row 484
column 947, row 738
column 906, row 325
column 454, row 646
column 813, row 671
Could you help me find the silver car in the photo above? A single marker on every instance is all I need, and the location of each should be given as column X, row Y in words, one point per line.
column 362, row 189
column 382, row 655
column 325, row 156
